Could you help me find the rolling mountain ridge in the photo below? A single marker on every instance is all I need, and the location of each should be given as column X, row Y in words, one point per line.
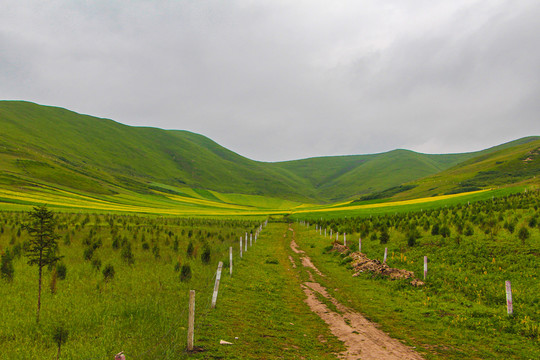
column 54, row 146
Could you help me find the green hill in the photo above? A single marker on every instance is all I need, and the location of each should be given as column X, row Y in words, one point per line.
column 44, row 145
column 57, row 146
column 343, row 177
column 513, row 163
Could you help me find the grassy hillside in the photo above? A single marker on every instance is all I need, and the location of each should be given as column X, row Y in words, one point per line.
column 57, row 146
column 515, row 163
column 343, row 177
column 49, row 147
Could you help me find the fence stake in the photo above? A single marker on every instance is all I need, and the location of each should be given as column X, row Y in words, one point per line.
column 385, row 253
column 425, row 267
column 245, row 243
column 216, row 284
column 344, row 239
column 251, row 239
column 509, row 307
column 230, row 260
column 240, row 246
column 359, row 244
column 191, row 320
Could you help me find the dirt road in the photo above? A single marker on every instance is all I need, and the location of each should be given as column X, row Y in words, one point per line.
column 362, row 339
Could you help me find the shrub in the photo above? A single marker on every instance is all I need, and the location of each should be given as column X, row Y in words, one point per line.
column 411, row 240
column 190, row 249
column 155, row 251
column 6, row 267
column 523, row 234
column 108, row 272
column 88, row 254
column 61, row 271
column 468, row 230
column 127, row 254
column 385, row 237
column 185, row 273
column 444, row 231
column 435, row 229
column 205, row 256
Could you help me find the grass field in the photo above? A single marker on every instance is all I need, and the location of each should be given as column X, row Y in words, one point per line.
column 461, row 311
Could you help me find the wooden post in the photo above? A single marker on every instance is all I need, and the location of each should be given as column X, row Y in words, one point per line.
column 191, row 320
column 344, row 239
column 509, row 305
column 216, row 284
column 359, row 244
column 385, row 253
column 230, row 260
column 330, row 233
column 240, row 246
column 425, row 267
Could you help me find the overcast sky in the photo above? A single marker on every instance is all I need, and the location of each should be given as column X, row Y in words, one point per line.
column 277, row 80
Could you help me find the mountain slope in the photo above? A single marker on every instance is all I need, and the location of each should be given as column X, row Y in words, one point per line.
column 57, row 147
column 517, row 162
column 343, row 177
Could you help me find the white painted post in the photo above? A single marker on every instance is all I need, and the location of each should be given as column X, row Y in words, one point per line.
column 230, row 260
column 240, row 246
column 359, row 244
column 245, row 243
column 324, row 232
column 191, row 320
column 425, row 267
column 216, row 284
column 251, row 239
column 330, row 232
column 509, row 305
column 385, row 254
column 337, row 236
column 345, row 239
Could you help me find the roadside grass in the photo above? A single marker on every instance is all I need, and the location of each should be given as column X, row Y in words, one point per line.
column 461, row 312
column 263, row 306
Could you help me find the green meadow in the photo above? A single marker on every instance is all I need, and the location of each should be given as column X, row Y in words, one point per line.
column 461, row 311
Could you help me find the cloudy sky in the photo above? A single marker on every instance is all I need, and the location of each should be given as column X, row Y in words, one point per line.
column 277, row 80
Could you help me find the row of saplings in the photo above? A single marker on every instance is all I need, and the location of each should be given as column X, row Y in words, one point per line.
column 42, row 251
column 488, row 216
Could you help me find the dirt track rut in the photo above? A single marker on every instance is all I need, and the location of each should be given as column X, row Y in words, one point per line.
column 362, row 339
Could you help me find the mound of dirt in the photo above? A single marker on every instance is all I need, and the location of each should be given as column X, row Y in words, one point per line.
column 361, row 263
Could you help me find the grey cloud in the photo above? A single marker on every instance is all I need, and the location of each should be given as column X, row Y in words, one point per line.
column 283, row 80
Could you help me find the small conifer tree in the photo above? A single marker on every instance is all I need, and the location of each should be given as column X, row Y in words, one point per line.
column 43, row 246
